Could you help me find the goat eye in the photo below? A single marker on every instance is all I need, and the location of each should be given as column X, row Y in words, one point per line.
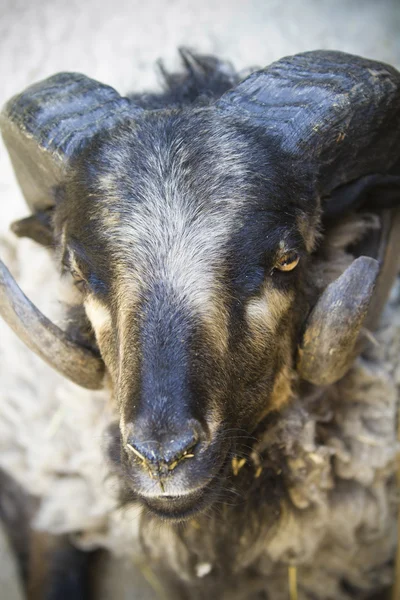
column 287, row 262
column 79, row 282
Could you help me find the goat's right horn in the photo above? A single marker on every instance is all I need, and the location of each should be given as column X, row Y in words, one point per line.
column 45, row 127
column 79, row 364
column 328, row 345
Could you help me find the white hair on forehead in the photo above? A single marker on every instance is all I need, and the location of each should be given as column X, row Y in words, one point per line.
column 183, row 248
column 169, row 237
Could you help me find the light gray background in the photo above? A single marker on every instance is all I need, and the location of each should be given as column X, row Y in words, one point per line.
column 118, row 42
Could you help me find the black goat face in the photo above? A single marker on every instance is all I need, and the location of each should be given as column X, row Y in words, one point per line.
column 184, row 234
column 188, row 231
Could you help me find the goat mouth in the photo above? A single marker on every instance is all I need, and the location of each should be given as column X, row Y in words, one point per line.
column 177, row 508
column 181, row 508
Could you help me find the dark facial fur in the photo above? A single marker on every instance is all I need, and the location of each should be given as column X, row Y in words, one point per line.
column 173, row 226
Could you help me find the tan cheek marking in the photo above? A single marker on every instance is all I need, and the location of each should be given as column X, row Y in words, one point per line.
column 98, row 315
column 101, row 322
column 128, row 292
column 128, row 287
column 216, row 325
column 264, row 314
column 266, row 311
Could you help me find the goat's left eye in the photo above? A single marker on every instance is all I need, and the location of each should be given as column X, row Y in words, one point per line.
column 287, row 262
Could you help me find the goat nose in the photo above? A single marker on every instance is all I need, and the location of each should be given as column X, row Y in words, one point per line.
column 166, row 452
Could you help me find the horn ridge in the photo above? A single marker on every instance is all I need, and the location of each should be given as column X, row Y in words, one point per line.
column 339, row 112
column 48, row 124
column 65, row 110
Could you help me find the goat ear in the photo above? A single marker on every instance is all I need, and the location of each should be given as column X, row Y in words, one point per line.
column 337, row 113
column 328, row 346
column 372, row 192
column 37, row 227
column 45, row 127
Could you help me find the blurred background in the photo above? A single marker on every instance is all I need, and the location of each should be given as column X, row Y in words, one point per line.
column 118, row 42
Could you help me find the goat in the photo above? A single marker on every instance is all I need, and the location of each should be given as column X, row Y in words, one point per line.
column 195, row 226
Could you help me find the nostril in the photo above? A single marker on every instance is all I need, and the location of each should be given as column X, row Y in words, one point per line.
column 167, row 450
column 141, row 452
column 180, row 447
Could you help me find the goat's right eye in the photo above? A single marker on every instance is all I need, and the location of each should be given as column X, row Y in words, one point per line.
column 79, row 281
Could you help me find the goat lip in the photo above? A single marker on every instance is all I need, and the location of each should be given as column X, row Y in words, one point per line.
column 178, row 508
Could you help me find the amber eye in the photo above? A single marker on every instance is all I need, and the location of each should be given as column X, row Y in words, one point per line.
column 287, row 262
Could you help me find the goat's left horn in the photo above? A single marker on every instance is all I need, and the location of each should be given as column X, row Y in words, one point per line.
column 329, row 342
column 336, row 113
column 55, row 347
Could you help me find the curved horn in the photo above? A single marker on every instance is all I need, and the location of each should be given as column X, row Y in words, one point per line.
column 338, row 112
column 79, row 364
column 45, row 126
column 329, row 341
